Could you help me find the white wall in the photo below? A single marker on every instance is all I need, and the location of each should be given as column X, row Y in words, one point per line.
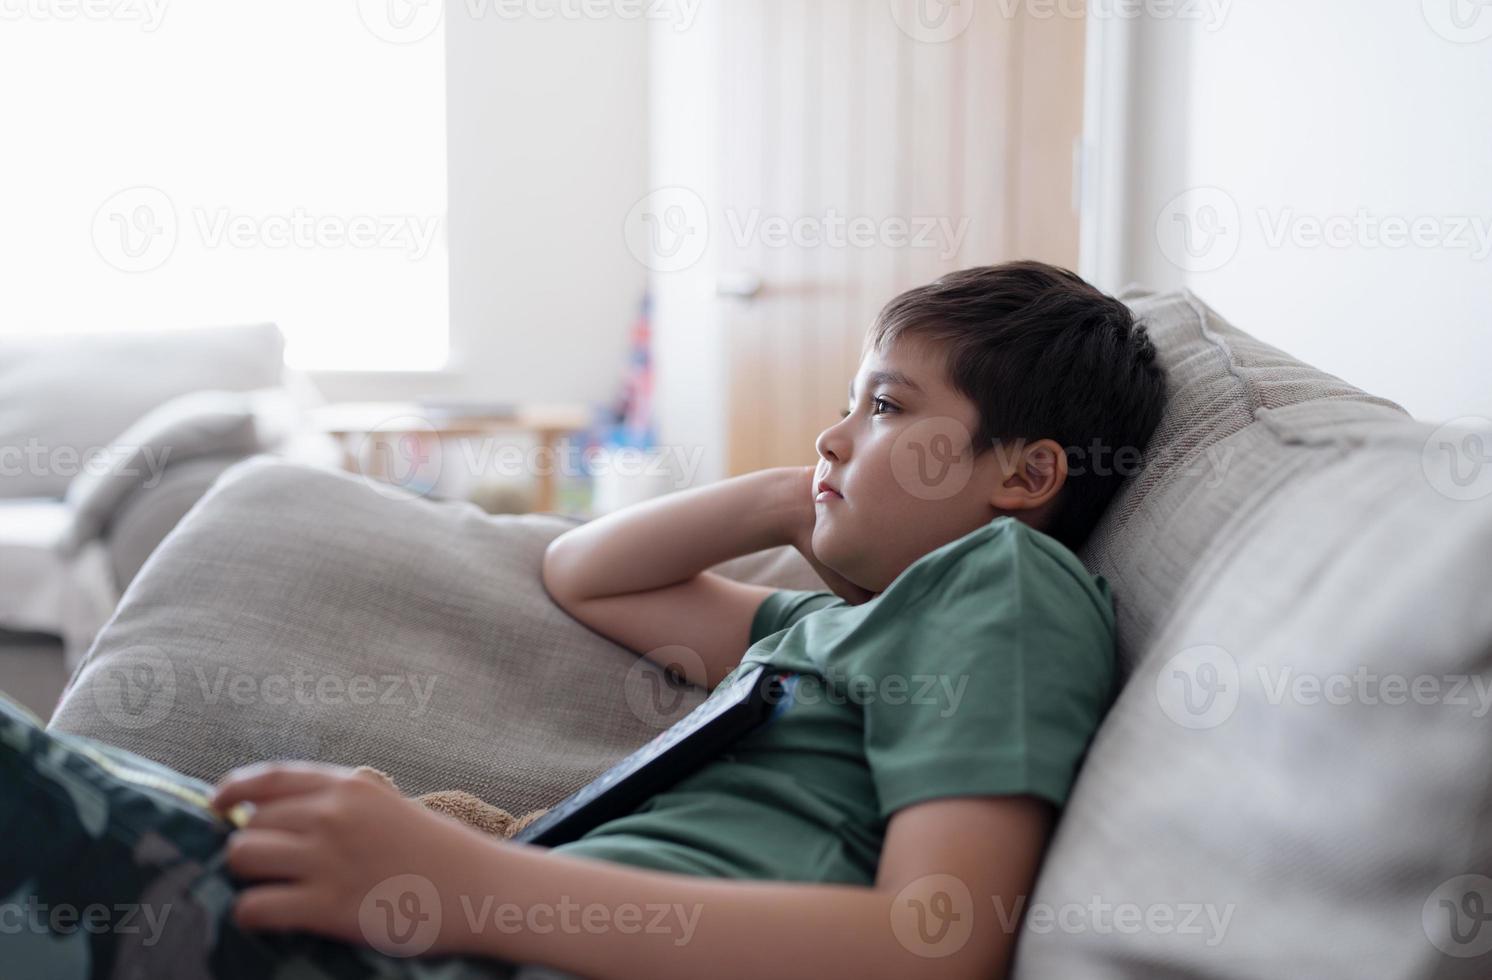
column 1297, row 115
column 547, row 133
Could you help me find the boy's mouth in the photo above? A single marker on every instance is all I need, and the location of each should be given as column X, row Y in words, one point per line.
column 824, row 492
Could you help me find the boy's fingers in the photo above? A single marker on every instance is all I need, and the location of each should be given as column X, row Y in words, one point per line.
column 270, row 781
column 269, row 854
column 281, row 908
column 293, row 815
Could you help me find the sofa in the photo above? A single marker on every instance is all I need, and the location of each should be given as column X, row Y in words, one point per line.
column 1292, row 782
column 109, row 439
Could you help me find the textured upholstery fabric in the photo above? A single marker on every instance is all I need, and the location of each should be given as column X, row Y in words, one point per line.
column 296, row 612
column 1271, row 764
column 1264, row 800
column 199, row 423
column 1226, row 822
column 1209, row 461
column 147, row 515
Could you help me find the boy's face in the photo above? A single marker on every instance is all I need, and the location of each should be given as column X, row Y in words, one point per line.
column 902, row 461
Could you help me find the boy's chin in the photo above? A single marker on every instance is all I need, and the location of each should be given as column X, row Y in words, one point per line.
column 825, row 546
column 827, row 549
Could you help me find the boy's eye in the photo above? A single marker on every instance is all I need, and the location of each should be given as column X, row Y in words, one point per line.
column 877, row 400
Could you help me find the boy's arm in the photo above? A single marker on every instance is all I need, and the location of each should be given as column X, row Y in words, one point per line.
column 332, row 852
column 638, row 575
column 952, row 886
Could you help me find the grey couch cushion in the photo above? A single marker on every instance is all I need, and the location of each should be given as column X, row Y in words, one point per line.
column 1239, row 830
column 199, row 423
column 299, row 613
column 1271, row 763
column 1212, row 458
column 62, row 396
column 147, row 514
column 1318, row 537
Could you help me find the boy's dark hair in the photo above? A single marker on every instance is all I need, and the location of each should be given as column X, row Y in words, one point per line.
column 1044, row 355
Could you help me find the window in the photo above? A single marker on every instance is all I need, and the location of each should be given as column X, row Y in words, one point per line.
column 170, row 163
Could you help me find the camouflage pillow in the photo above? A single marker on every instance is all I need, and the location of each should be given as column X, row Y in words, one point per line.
column 112, row 866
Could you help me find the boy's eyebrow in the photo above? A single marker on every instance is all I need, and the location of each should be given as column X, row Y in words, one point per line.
column 886, row 377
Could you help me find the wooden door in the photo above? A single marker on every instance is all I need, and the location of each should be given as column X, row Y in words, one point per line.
column 863, row 156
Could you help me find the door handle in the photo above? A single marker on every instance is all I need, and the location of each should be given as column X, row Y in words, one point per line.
column 739, row 285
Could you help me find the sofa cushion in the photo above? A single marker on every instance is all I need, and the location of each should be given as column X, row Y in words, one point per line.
column 62, row 396
column 1297, row 769
column 199, row 423
column 147, row 515
column 1249, row 834
column 301, row 613
column 1285, row 529
column 1212, row 458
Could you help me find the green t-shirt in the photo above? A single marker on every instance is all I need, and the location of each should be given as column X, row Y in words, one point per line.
column 984, row 668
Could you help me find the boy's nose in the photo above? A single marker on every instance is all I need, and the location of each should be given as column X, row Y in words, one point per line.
column 831, row 445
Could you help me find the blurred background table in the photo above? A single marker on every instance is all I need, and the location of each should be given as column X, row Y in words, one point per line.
column 362, row 426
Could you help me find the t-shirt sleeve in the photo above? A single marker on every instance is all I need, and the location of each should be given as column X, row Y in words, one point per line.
column 1008, row 695
column 785, row 607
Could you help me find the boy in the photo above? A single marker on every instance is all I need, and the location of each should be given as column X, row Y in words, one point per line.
column 890, row 818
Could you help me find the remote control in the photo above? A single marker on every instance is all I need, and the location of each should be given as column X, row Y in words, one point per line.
column 731, row 710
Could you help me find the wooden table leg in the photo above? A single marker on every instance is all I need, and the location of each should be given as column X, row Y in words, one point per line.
column 544, row 496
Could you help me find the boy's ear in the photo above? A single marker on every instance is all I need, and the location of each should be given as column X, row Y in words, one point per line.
column 1033, row 474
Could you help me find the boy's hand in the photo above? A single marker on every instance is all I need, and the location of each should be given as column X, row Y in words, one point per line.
column 325, row 844
column 802, row 539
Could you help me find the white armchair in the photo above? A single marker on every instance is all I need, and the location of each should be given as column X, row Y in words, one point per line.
column 107, row 440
